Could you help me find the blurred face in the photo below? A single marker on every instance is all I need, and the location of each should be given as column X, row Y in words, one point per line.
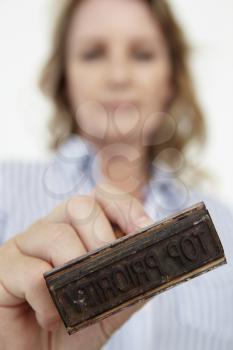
column 118, row 70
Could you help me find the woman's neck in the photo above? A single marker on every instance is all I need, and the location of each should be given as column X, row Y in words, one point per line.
column 124, row 166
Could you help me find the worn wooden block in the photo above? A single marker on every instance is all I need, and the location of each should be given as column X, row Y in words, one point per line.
column 135, row 267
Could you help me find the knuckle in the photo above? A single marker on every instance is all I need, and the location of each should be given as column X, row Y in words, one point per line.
column 81, row 208
column 111, row 193
column 62, row 231
column 35, row 227
column 81, row 200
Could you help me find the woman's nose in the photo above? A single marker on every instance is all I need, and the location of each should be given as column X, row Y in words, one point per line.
column 118, row 72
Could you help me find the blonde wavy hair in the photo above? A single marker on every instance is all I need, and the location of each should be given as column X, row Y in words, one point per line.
column 184, row 107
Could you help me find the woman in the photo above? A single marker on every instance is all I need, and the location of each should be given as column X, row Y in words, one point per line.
column 125, row 113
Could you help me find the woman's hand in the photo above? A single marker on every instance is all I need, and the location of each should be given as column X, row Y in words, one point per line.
column 28, row 317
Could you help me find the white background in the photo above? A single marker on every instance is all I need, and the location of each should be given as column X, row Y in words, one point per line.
column 24, row 44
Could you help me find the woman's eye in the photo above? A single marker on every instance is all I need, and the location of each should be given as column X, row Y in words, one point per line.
column 144, row 56
column 97, row 54
column 92, row 55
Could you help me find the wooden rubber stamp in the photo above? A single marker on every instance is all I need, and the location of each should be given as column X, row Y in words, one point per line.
column 135, row 267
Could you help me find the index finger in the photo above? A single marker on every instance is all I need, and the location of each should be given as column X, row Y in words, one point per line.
column 121, row 208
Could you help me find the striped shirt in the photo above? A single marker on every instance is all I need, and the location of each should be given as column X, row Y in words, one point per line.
column 195, row 315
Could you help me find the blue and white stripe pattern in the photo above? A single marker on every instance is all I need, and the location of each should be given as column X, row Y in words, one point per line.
column 196, row 315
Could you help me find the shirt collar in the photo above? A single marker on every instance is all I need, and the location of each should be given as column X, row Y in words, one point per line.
column 75, row 150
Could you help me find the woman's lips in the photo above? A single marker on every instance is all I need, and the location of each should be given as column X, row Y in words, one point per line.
column 112, row 106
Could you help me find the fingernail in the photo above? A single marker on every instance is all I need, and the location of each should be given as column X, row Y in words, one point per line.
column 143, row 221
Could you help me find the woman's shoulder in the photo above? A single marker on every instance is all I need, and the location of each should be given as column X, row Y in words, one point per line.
column 20, row 194
column 19, row 165
column 13, row 165
column 19, row 173
column 21, row 179
column 32, row 177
